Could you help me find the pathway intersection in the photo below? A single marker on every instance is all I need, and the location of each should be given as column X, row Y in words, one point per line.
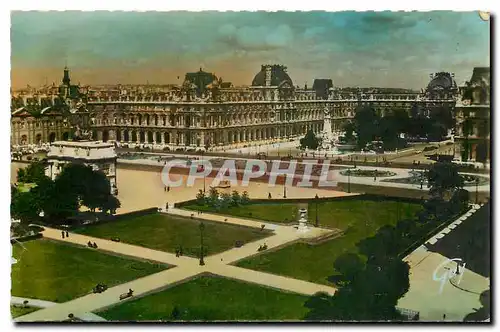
column 185, row 268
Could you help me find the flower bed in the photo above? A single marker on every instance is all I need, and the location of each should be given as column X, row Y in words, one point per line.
column 367, row 173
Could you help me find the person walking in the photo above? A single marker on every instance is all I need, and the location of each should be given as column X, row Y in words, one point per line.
column 62, row 234
column 67, row 234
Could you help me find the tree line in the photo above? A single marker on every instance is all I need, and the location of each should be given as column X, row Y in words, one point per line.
column 77, row 185
column 368, row 126
column 371, row 281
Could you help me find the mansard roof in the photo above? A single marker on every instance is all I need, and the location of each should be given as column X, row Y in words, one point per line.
column 278, row 76
column 442, row 81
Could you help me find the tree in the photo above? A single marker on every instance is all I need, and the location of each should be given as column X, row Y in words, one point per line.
column 366, row 121
column 388, row 132
column 349, row 266
column 349, row 129
column 91, row 187
column 383, row 244
column 443, row 179
column 467, row 131
column 200, row 198
column 60, row 203
column 111, row 203
column 309, row 141
column 442, row 118
column 460, row 200
column 244, row 198
column 405, row 227
column 21, row 175
column 34, row 173
column 235, row 198
column 213, row 196
column 225, row 201
column 401, row 121
column 372, row 295
column 24, row 207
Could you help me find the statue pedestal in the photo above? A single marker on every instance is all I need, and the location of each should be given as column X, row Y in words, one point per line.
column 302, row 226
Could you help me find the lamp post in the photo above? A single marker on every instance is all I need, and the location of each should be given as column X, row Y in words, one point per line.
column 349, row 181
column 477, row 193
column 457, row 272
column 316, row 198
column 203, row 165
column 284, row 190
column 202, row 227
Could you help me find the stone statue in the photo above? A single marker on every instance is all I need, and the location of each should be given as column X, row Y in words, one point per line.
column 81, row 134
column 303, row 221
column 327, row 135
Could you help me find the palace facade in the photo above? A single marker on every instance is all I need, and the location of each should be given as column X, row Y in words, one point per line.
column 207, row 113
column 472, row 114
column 46, row 115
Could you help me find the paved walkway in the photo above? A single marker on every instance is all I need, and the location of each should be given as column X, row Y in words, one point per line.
column 185, row 268
column 120, row 248
column 86, row 316
column 400, row 173
column 458, row 296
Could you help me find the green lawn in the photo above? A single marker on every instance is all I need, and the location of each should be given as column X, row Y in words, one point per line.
column 213, row 298
column 335, row 213
column 314, row 263
column 58, row 272
column 346, row 213
column 167, row 233
column 273, row 212
column 19, row 311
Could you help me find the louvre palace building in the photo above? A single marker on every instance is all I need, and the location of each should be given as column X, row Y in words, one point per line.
column 206, row 112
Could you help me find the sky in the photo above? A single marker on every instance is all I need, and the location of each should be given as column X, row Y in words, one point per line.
column 382, row 49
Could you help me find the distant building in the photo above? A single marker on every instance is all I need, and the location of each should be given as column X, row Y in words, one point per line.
column 44, row 115
column 205, row 112
column 472, row 114
column 100, row 156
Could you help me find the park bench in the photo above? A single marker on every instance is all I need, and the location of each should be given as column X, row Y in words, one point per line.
column 100, row 288
column 126, row 295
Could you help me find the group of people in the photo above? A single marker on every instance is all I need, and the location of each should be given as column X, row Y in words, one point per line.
column 64, row 233
column 262, row 247
column 178, row 252
column 92, row 245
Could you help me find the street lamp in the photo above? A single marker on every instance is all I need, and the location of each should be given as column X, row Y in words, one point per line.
column 202, row 227
column 349, row 180
column 203, row 164
column 477, row 183
column 316, row 198
column 457, row 272
column 284, row 189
